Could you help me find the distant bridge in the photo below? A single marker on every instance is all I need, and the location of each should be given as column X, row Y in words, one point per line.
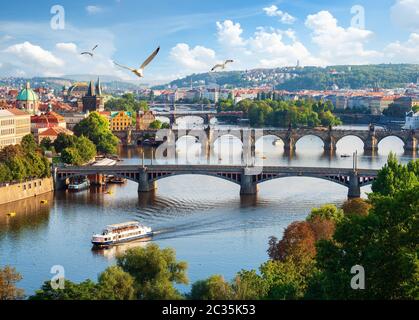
column 330, row 137
column 206, row 116
column 248, row 178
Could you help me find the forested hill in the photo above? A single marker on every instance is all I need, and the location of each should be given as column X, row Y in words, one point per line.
column 310, row 78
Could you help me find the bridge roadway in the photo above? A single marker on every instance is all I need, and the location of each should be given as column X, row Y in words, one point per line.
column 248, row 178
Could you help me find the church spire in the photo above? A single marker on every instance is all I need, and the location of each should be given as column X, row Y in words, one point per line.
column 91, row 91
column 98, row 87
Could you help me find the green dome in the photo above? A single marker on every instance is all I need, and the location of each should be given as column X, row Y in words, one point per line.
column 27, row 94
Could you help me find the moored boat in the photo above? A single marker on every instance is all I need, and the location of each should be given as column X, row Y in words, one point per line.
column 121, row 233
column 78, row 185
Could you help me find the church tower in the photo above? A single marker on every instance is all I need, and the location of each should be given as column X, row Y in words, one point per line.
column 93, row 100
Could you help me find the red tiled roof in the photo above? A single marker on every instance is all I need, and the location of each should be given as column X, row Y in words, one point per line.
column 55, row 131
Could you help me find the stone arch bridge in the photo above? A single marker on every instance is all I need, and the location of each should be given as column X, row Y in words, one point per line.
column 330, row 137
column 248, row 178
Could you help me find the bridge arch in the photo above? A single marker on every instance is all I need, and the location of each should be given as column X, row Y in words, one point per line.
column 383, row 141
column 132, row 177
column 232, row 177
column 300, row 139
column 359, row 140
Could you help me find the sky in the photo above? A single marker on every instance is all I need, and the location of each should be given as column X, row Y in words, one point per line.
column 45, row 38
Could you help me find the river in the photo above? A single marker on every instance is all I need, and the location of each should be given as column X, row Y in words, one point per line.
column 203, row 218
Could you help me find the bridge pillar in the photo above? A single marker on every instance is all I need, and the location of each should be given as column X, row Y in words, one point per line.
column 247, row 185
column 289, row 145
column 354, row 187
column 329, row 145
column 371, row 145
column 144, row 183
column 411, row 144
column 59, row 183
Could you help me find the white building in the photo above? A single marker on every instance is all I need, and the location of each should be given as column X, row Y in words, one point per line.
column 412, row 121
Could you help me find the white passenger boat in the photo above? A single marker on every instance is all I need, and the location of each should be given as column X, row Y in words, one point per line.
column 121, row 233
column 78, row 185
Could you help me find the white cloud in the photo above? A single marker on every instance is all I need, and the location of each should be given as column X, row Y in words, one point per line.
column 405, row 13
column 284, row 17
column 338, row 45
column 404, row 52
column 229, row 33
column 194, row 59
column 91, row 9
column 67, row 47
column 34, row 54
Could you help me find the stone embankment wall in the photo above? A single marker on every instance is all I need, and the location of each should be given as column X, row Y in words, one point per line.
column 24, row 190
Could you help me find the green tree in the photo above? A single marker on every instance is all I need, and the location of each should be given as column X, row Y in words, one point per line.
column 156, row 124
column 5, row 173
column 96, row 128
column 115, row 284
column 86, row 149
column 46, row 144
column 9, row 277
column 155, row 272
column 328, row 211
column 86, row 290
column 213, row 288
column 384, row 243
column 71, row 156
column 395, row 176
column 64, row 141
column 28, row 143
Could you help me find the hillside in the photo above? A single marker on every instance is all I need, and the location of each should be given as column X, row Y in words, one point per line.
column 310, row 78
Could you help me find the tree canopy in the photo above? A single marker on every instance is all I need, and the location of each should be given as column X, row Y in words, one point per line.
column 96, row 128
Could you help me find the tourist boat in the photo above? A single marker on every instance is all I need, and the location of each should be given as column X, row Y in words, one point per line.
column 121, row 233
column 78, row 185
column 345, row 156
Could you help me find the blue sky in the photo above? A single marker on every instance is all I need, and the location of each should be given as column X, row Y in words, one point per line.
column 195, row 34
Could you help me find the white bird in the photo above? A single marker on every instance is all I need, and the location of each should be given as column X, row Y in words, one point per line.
column 222, row 65
column 140, row 71
column 90, row 53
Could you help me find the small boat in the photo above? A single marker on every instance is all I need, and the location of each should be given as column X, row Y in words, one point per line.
column 44, row 201
column 79, row 185
column 345, row 156
column 121, row 233
column 11, row 214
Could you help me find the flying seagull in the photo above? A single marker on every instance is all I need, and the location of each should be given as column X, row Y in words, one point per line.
column 90, row 53
column 222, row 65
column 140, row 71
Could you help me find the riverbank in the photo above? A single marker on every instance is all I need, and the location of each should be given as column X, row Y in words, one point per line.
column 12, row 192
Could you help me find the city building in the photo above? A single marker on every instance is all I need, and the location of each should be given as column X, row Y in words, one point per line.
column 47, row 120
column 51, row 133
column 14, row 125
column 144, row 119
column 212, row 95
column 93, row 100
column 379, row 104
column 72, row 119
column 28, row 100
column 412, row 120
column 120, row 120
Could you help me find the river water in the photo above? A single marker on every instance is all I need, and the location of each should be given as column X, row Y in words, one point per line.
column 203, row 218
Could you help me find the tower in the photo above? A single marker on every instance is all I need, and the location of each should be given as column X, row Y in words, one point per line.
column 93, row 100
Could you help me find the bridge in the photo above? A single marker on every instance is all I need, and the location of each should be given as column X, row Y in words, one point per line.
column 174, row 115
column 330, row 137
column 248, row 178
